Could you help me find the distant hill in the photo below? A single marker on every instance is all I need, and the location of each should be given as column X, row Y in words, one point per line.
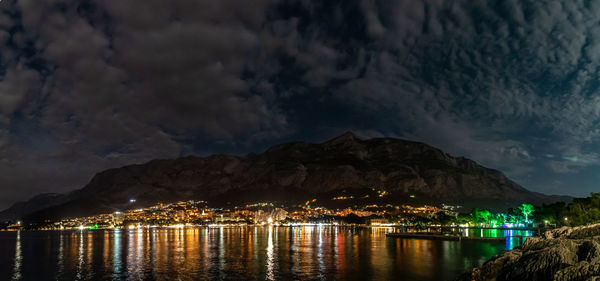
column 38, row 202
column 379, row 170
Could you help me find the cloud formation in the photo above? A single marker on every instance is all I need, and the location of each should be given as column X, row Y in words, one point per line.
column 88, row 85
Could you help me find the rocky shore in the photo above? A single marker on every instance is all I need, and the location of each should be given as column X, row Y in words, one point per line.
column 567, row 253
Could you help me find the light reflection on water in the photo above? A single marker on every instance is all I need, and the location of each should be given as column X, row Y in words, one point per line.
column 18, row 258
column 270, row 256
column 61, row 262
column 80, row 258
column 116, row 254
column 236, row 253
column 514, row 237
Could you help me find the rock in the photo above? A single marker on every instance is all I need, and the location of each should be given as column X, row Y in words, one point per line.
column 563, row 254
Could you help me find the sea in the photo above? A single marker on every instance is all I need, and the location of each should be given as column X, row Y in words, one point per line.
column 237, row 253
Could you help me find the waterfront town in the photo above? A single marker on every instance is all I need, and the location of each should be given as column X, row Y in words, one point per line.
column 197, row 213
column 194, row 213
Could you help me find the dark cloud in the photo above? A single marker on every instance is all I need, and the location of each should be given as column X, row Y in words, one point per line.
column 88, row 85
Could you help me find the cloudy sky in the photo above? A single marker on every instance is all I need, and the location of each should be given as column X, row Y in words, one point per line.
column 89, row 85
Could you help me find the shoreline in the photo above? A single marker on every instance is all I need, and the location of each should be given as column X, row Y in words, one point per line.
column 536, row 230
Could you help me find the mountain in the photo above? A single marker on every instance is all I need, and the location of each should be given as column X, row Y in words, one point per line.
column 381, row 170
column 38, row 202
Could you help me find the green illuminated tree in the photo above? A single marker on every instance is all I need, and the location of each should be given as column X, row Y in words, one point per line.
column 526, row 210
column 501, row 218
column 481, row 216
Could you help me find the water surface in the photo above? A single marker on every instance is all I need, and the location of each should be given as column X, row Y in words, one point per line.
column 236, row 253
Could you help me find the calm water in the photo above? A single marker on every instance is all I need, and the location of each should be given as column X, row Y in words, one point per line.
column 240, row 253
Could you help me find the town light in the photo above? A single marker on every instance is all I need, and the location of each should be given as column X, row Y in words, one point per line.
column 270, row 220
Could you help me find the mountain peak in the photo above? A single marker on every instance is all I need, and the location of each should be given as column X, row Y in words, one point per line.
column 345, row 137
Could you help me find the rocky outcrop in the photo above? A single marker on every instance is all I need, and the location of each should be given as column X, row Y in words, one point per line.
column 294, row 172
column 564, row 254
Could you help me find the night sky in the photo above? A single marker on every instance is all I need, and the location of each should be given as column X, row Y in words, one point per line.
column 90, row 85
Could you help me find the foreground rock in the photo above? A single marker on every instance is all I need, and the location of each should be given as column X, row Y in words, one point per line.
column 562, row 254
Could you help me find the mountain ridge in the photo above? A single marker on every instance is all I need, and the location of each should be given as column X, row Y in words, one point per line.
column 410, row 172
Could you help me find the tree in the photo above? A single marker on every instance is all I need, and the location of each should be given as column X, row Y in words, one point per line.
column 481, row 216
column 501, row 218
column 444, row 219
column 526, row 210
